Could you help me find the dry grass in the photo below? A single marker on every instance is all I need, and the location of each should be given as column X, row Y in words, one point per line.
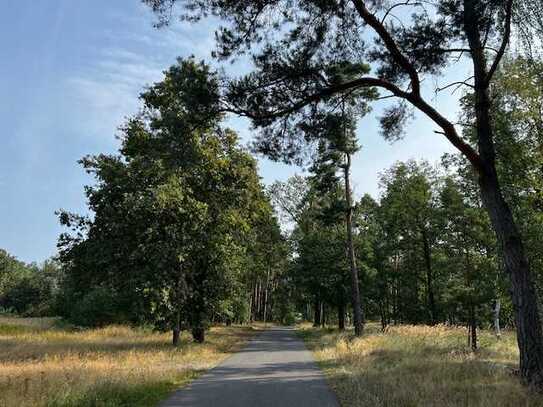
column 420, row 366
column 44, row 365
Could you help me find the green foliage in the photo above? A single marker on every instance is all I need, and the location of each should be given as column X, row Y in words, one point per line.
column 117, row 395
column 425, row 251
column 28, row 289
column 98, row 307
column 178, row 214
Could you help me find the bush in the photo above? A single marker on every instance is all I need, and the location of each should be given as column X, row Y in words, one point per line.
column 241, row 310
column 290, row 318
column 99, row 307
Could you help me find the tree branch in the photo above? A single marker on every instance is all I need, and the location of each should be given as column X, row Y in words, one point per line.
column 390, row 44
column 405, row 3
column 459, row 83
column 416, row 100
column 505, row 41
column 365, row 82
column 449, row 131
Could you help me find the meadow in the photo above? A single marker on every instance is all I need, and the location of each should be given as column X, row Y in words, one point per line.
column 43, row 363
column 420, row 366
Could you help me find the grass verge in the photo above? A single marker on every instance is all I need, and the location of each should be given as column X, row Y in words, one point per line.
column 419, row 366
column 45, row 364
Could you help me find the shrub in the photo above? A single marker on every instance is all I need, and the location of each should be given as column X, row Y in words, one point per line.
column 99, row 307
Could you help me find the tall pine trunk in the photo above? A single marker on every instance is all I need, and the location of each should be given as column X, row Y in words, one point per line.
column 176, row 331
column 517, row 268
column 473, row 328
column 323, row 314
column 358, row 320
column 317, row 315
column 429, row 276
column 523, row 294
column 266, row 296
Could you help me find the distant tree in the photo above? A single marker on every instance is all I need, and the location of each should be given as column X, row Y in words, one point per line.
column 11, row 270
column 290, row 198
column 334, row 154
column 409, row 215
column 336, row 146
column 470, row 256
column 28, row 289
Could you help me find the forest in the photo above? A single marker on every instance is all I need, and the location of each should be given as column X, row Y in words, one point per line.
column 183, row 236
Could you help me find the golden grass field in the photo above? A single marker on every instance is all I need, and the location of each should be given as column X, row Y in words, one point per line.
column 420, row 366
column 42, row 364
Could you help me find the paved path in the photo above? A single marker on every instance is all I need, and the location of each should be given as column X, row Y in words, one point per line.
column 275, row 369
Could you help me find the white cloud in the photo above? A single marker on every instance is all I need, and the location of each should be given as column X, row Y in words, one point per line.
column 106, row 90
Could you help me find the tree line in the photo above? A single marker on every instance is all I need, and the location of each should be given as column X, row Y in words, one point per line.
column 184, row 233
column 28, row 289
column 425, row 247
column 295, row 48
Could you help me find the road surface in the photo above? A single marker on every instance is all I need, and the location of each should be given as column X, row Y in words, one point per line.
column 274, row 369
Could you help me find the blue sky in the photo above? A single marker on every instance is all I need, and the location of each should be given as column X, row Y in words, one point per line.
column 71, row 71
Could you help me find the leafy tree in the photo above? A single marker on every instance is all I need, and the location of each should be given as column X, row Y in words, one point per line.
column 469, row 253
column 28, row 289
column 268, row 258
column 173, row 212
column 409, row 216
column 517, row 97
column 335, row 151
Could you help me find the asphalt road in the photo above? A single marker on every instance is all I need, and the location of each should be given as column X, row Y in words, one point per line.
column 274, row 369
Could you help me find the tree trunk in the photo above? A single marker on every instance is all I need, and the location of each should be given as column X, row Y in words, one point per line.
column 266, row 295
column 198, row 334
column 383, row 312
column 317, row 316
column 524, row 298
column 497, row 307
column 253, row 304
column 429, row 276
column 176, row 331
column 473, row 329
column 323, row 314
column 523, row 294
column 258, row 299
column 341, row 316
column 358, row 320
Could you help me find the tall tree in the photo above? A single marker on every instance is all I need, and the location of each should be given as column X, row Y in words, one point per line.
column 174, row 211
column 408, row 212
column 336, row 147
column 469, row 252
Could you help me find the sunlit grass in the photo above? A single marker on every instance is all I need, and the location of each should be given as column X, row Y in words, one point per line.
column 44, row 365
column 418, row 366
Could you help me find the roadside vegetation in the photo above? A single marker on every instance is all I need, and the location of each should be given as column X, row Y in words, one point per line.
column 422, row 366
column 43, row 363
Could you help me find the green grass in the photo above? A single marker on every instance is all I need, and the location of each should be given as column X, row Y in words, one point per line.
column 43, row 363
column 420, row 366
column 126, row 394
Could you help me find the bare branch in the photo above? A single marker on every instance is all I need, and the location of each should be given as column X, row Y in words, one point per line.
column 459, row 83
column 405, row 3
